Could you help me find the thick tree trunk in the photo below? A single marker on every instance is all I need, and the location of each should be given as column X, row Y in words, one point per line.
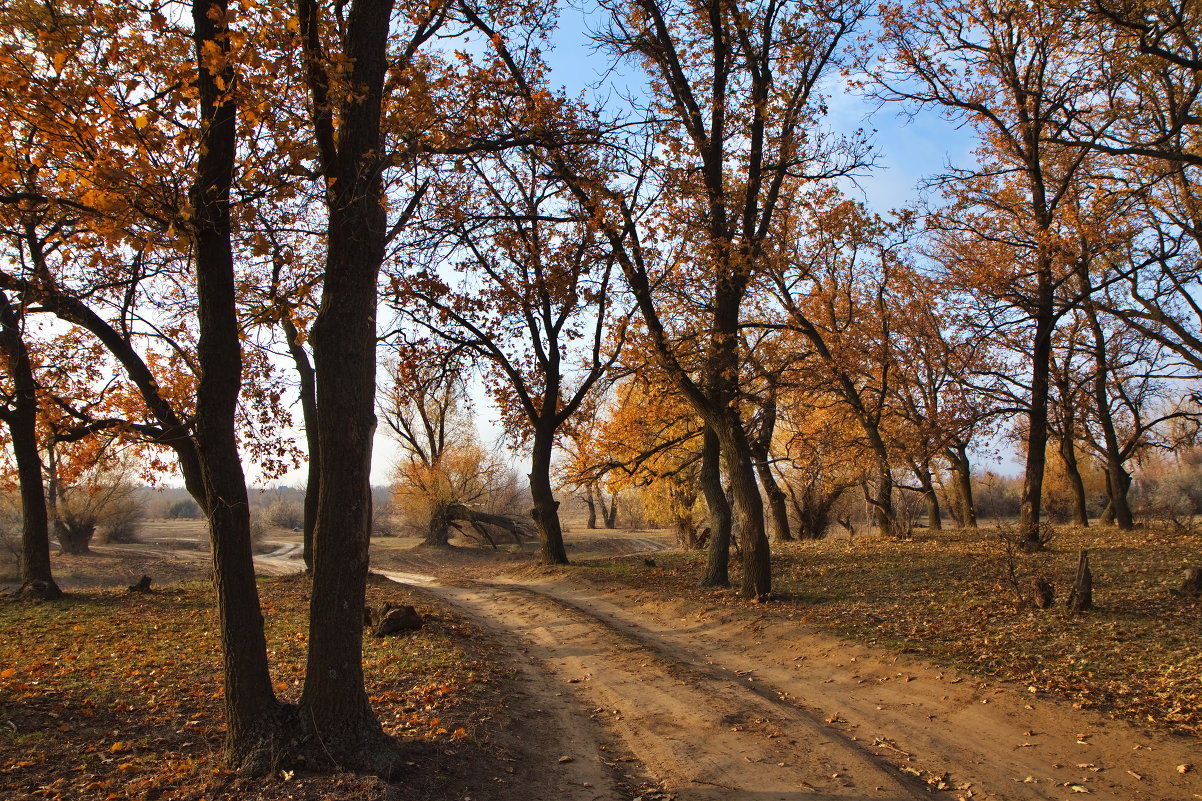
column 962, row 470
column 881, row 501
column 438, row 530
column 37, row 579
column 334, row 704
column 717, row 559
column 255, row 720
column 756, row 574
column 1037, row 418
column 546, row 508
column 74, row 536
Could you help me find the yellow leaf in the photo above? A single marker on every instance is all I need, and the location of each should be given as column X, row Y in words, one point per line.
column 141, row 122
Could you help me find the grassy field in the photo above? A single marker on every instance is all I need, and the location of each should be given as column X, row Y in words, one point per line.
column 950, row 597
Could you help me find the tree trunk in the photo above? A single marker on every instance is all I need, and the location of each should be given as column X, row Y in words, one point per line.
column 334, row 704
column 255, row 720
column 761, row 448
column 37, row 580
column 961, row 468
column 1068, row 456
column 546, row 508
column 756, row 574
column 308, row 400
column 882, row 502
column 778, row 509
column 609, row 511
column 438, row 530
column 926, row 481
column 1037, row 417
column 592, row 507
column 74, row 536
column 1117, row 477
column 717, row 558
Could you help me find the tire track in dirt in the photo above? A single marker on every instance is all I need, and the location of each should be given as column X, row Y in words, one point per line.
column 987, row 741
column 698, row 729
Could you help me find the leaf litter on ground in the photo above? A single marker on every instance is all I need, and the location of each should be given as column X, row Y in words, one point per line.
column 111, row 695
column 951, row 596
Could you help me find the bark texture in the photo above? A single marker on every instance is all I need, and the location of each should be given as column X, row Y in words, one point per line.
column 334, row 704
column 37, row 579
column 256, row 733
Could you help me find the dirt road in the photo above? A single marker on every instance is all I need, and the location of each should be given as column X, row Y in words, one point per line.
column 714, row 707
column 623, row 691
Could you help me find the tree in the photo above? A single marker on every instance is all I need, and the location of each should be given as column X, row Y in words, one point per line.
column 1010, row 71
column 99, row 497
column 729, row 128
column 825, row 459
column 644, row 440
column 100, row 186
column 19, row 412
column 532, row 300
column 836, row 285
column 444, row 479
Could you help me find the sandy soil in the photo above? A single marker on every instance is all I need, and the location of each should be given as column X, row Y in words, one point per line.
column 715, row 705
column 629, row 694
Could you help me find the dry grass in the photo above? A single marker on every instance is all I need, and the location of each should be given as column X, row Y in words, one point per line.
column 949, row 596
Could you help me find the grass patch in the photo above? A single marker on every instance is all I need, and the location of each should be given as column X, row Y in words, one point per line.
column 948, row 596
column 111, row 695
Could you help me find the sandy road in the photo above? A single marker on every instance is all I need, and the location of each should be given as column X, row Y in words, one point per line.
column 717, row 708
column 714, row 705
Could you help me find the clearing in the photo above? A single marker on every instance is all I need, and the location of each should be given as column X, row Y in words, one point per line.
column 619, row 680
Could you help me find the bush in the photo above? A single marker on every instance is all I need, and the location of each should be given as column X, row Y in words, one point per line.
column 185, row 509
column 285, row 514
column 122, row 519
column 1170, row 488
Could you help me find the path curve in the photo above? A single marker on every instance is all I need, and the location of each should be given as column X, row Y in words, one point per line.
column 717, row 708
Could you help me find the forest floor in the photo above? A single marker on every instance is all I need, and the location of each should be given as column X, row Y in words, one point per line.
column 882, row 670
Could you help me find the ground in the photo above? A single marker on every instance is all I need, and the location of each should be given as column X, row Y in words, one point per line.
column 883, row 669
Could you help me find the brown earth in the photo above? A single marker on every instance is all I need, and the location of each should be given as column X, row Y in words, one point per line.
column 625, row 693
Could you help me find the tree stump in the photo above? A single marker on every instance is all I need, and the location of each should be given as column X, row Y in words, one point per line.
column 1080, row 599
column 1044, row 595
column 143, row 585
column 389, row 618
column 1191, row 587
